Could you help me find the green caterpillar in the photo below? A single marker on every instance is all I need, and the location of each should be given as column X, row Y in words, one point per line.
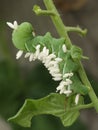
column 60, row 61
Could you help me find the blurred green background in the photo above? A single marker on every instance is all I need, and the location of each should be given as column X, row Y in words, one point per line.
column 20, row 79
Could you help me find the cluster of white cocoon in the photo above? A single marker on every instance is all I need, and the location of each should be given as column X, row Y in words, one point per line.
column 51, row 62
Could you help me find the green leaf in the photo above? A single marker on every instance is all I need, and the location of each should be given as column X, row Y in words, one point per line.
column 54, row 104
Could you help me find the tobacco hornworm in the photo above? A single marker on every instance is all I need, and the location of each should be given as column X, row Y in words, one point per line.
column 57, row 58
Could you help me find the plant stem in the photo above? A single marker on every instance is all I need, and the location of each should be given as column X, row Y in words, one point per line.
column 60, row 27
column 39, row 11
column 85, row 80
column 77, row 29
column 62, row 31
column 79, row 107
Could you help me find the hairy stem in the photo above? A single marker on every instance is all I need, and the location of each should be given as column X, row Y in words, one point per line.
column 63, row 32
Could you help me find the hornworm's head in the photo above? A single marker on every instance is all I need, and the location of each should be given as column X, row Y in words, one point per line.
column 22, row 34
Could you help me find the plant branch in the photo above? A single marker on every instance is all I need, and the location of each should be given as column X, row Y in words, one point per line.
column 51, row 10
column 77, row 29
column 63, row 32
column 39, row 11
